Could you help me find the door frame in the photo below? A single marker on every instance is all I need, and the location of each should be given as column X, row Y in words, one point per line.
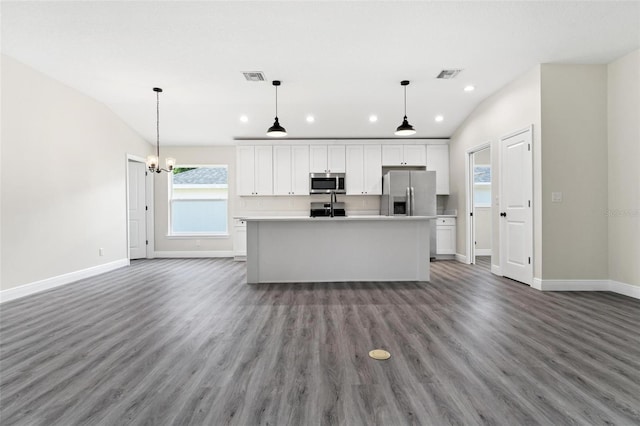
column 470, row 232
column 502, row 223
column 149, row 203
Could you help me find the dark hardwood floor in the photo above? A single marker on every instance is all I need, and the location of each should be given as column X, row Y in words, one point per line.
column 173, row 342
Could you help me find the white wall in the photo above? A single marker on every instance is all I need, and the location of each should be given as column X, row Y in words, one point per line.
column 574, row 162
column 514, row 107
column 63, row 178
column 624, row 168
column 212, row 155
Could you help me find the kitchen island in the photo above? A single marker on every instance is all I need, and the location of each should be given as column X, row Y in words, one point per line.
column 354, row 248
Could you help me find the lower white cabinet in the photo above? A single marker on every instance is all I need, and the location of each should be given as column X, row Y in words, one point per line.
column 446, row 235
column 240, row 240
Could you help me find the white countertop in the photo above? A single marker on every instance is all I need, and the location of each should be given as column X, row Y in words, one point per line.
column 337, row 218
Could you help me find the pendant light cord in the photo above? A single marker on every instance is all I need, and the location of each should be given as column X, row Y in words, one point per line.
column 276, row 101
column 405, row 101
column 158, row 125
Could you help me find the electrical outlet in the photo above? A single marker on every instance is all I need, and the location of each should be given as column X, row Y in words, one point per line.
column 556, row 197
column 101, row 251
column 197, row 243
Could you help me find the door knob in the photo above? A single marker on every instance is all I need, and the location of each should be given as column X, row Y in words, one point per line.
column 503, row 214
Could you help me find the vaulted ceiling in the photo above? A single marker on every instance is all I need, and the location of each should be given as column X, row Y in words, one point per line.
column 338, row 61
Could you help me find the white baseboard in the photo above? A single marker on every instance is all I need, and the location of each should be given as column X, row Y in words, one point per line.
column 191, row 254
column 483, row 252
column 587, row 285
column 495, row 269
column 49, row 283
column 572, row 285
column 624, row 288
column 462, row 258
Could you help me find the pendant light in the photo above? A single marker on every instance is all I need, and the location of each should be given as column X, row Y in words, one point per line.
column 276, row 131
column 405, row 129
column 153, row 161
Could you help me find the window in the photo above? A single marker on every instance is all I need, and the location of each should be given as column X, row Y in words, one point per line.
column 198, row 200
column 482, row 186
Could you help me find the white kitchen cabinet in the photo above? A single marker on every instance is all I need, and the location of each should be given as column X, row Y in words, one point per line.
column 446, row 236
column 438, row 161
column 255, row 170
column 327, row 159
column 403, row 155
column 364, row 169
column 291, row 170
column 240, row 240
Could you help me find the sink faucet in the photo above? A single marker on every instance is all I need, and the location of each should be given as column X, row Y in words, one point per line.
column 333, row 198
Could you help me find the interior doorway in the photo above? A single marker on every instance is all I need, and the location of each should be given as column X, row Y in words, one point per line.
column 137, row 208
column 479, row 205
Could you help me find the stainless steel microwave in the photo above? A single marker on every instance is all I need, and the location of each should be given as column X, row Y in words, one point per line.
column 326, row 183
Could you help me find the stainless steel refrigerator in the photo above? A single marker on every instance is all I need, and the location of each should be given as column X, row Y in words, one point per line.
column 410, row 193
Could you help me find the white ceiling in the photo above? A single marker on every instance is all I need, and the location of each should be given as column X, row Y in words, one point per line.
column 340, row 61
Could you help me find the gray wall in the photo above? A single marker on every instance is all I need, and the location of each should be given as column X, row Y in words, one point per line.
column 63, row 178
column 624, row 169
column 574, row 162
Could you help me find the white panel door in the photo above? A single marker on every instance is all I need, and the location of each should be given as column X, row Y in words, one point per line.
column 336, row 158
column 300, row 170
column 246, row 164
column 414, row 155
column 137, row 211
column 355, row 170
column 282, row 170
column 263, row 170
column 318, row 159
column 372, row 156
column 516, row 218
column 438, row 161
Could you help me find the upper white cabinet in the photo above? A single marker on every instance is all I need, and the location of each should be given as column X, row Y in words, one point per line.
column 438, row 161
column 364, row 169
column 327, row 159
column 255, row 170
column 291, row 170
column 403, row 155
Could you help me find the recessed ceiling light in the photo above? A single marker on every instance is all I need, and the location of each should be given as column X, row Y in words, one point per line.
column 439, row 118
column 244, row 118
column 373, row 118
column 469, row 88
column 310, row 119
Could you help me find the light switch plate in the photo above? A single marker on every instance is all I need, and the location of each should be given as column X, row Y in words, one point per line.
column 556, row 197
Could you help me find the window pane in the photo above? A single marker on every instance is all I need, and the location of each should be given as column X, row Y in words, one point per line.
column 199, row 216
column 481, row 195
column 199, row 199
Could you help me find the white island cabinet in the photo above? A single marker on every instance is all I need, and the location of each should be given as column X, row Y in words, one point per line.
column 354, row 248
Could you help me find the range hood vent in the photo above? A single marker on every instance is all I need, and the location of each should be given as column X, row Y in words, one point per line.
column 254, row 75
column 449, row 74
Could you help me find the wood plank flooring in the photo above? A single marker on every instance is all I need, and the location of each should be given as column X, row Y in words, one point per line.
column 185, row 341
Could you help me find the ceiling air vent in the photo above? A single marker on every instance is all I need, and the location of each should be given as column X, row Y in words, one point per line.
column 448, row 74
column 254, row 75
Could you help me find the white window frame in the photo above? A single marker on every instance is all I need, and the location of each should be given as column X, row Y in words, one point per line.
column 195, row 235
